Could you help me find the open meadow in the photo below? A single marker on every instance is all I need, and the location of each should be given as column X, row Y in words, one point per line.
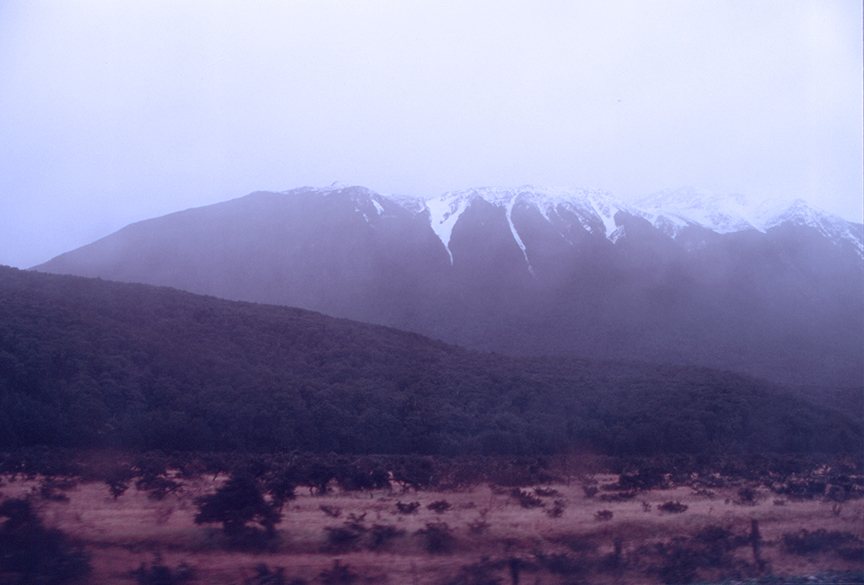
column 592, row 528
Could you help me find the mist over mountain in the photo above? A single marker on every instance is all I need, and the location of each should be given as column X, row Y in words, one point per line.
column 682, row 277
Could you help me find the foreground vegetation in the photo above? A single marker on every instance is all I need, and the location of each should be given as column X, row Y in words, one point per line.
column 92, row 364
column 315, row 519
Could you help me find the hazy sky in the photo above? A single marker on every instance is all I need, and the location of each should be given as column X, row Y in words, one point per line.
column 117, row 111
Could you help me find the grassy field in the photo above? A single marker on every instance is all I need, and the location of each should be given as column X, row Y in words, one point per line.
column 581, row 532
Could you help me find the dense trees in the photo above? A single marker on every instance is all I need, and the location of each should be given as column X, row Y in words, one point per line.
column 86, row 363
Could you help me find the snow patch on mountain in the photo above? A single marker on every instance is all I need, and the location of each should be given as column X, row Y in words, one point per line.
column 672, row 210
column 444, row 211
column 589, row 206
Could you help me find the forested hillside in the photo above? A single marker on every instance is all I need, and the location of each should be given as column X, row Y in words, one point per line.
column 88, row 363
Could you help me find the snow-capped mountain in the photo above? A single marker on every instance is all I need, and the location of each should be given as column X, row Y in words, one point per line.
column 672, row 210
column 681, row 276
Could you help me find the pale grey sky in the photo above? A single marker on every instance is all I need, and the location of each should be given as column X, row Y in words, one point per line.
column 117, row 111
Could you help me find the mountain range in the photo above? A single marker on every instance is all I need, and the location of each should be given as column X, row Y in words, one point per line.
column 681, row 277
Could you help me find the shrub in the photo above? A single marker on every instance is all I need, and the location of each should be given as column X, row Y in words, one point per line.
column 331, row 511
column 603, row 515
column 546, row 492
column 344, row 538
column 557, row 509
column 525, row 499
column 673, row 507
column 34, row 553
column 407, row 508
column 439, row 507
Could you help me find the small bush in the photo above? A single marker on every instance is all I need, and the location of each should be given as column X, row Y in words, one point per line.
column 603, row 515
column 546, row 492
column 525, row 499
column 672, row 507
column 331, row 511
column 618, row 497
column 439, row 507
column 407, row 508
column 344, row 538
column 557, row 509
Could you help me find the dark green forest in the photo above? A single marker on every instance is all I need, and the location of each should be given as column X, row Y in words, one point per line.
column 86, row 363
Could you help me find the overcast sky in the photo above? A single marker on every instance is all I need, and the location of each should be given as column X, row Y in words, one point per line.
column 117, row 111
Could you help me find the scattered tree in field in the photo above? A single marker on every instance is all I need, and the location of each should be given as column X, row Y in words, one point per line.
column 235, row 505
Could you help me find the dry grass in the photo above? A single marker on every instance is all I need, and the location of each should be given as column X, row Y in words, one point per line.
column 487, row 535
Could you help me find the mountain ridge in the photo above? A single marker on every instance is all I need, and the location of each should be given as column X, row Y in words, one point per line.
column 524, row 272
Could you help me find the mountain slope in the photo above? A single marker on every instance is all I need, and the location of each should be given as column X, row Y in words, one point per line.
column 88, row 363
column 683, row 277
